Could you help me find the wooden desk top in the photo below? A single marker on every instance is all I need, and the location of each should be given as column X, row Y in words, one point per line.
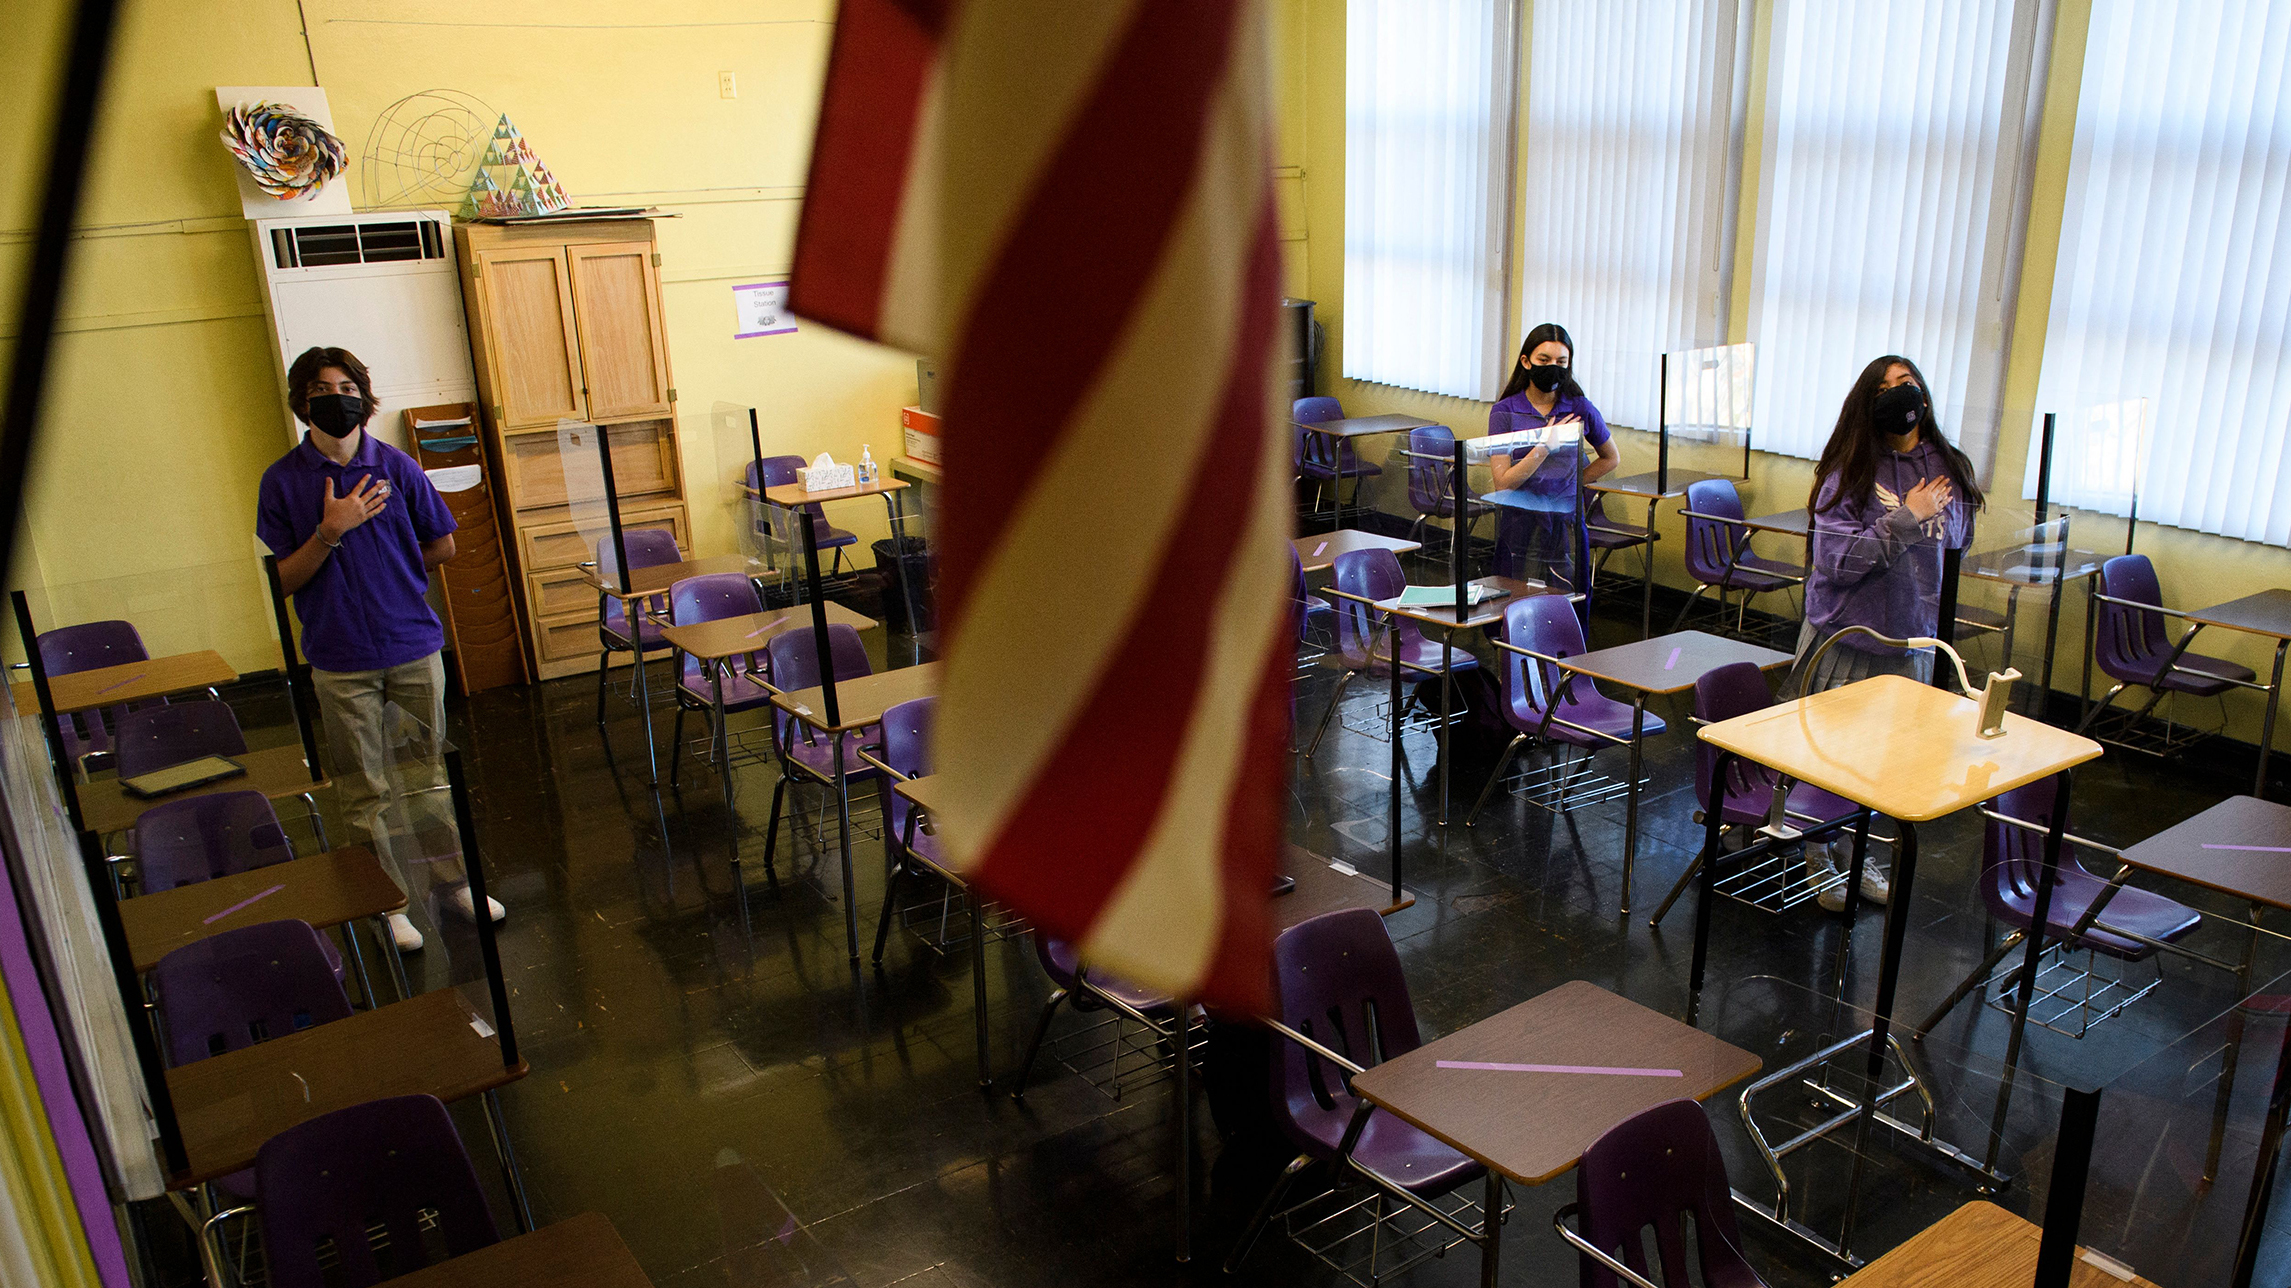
column 2266, row 613
column 1321, row 551
column 1980, row 1245
column 1357, row 426
column 863, row 700
column 109, row 686
column 324, row 890
column 2261, row 873
column 1320, row 888
column 229, row 1105
column 1796, row 523
column 920, row 471
column 750, row 632
column 276, row 772
column 1484, row 613
column 580, row 1252
column 1643, row 485
column 1670, row 663
column 1907, row 750
column 792, row 494
column 657, row 579
column 1533, row 1126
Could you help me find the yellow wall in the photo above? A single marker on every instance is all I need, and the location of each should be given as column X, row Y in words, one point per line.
column 164, row 408
column 2195, row 569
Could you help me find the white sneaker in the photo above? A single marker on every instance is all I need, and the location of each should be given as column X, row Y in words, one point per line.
column 404, row 934
column 1875, row 889
column 466, row 906
column 1819, row 868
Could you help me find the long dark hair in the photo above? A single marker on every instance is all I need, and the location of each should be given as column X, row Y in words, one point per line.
column 1546, row 331
column 1851, row 453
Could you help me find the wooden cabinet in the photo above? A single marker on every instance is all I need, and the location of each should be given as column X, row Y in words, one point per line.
column 566, row 323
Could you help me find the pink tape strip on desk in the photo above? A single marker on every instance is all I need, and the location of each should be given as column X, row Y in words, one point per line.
column 2265, row 849
column 248, row 902
column 1560, row 1068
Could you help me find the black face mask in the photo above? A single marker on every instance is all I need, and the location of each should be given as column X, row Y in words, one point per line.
column 336, row 415
column 1898, row 410
column 1547, row 376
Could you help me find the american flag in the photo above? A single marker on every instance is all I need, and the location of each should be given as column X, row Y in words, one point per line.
column 1070, row 204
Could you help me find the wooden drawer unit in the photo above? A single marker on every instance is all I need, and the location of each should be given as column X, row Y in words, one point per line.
column 566, row 323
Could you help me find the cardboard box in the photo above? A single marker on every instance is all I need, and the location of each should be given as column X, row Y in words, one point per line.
column 921, row 431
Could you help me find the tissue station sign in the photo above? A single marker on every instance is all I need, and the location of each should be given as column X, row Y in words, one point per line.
column 761, row 308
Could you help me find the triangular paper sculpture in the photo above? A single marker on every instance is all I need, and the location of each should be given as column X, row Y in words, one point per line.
column 511, row 180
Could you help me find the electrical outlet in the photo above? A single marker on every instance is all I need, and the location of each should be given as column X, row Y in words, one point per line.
column 727, row 84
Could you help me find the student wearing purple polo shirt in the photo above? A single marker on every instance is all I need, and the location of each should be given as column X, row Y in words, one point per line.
column 356, row 526
column 1539, row 525
column 1890, row 495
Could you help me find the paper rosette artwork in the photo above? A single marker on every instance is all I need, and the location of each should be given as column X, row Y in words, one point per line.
column 288, row 154
column 511, row 180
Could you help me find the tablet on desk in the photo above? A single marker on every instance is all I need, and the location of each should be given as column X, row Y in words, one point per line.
column 183, row 777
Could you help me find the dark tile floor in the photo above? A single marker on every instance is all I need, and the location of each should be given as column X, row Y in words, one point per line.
column 750, row 1108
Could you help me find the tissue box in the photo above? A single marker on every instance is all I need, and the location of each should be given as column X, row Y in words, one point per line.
column 827, row 478
column 921, row 431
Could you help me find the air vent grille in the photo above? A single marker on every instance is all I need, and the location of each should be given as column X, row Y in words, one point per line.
column 323, row 245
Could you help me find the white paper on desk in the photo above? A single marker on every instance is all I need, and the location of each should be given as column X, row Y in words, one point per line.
column 456, row 478
column 456, row 422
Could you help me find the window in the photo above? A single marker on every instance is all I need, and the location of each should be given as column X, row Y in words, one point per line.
column 2174, row 277
column 1428, row 105
column 1630, row 185
column 1889, row 176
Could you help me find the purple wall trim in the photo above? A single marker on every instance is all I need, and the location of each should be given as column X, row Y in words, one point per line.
column 45, row 1047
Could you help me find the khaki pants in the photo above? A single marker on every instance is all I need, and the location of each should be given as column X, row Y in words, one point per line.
column 361, row 751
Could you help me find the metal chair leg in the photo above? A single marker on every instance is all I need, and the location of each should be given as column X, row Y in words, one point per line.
column 1685, row 879
column 890, row 902
column 1502, row 762
column 772, row 828
column 1264, row 1213
column 1688, row 606
column 1034, row 1048
column 2098, row 707
column 1971, row 982
column 604, row 663
column 1334, row 700
column 676, row 745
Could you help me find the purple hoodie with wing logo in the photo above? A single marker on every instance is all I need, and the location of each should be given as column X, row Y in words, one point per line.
column 1874, row 564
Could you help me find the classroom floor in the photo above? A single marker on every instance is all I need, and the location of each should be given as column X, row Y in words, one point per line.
column 751, row 1109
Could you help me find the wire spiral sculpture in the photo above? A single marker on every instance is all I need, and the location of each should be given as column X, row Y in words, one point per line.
column 423, row 150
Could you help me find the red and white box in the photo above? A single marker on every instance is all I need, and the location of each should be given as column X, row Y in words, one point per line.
column 921, row 429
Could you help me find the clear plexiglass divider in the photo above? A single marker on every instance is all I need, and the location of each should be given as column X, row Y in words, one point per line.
column 745, row 523
column 1707, row 413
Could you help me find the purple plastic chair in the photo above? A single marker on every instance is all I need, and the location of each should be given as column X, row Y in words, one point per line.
column 1313, row 612
column 2130, row 642
column 907, row 750
column 1650, row 1170
column 1343, row 1005
column 1431, row 479
column 647, row 548
column 709, row 598
column 156, row 737
column 89, row 646
column 244, row 986
column 1581, row 717
column 1722, row 693
column 1090, row 991
column 1718, row 552
column 804, row 752
column 2012, row 865
column 389, row 1163
column 1606, row 535
column 1364, row 643
column 1326, row 461
column 200, row 838
column 776, row 471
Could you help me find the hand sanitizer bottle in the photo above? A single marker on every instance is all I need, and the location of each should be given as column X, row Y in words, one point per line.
column 866, row 464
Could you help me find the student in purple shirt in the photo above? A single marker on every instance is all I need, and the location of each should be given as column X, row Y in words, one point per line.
column 356, row 526
column 1539, row 525
column 1890, row 495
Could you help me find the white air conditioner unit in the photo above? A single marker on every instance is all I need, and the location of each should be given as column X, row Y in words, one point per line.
column 382, row 285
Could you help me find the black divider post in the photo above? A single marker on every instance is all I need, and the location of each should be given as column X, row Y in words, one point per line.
column 488, row 948
column 1456, row 560
column 1945, row 628
column 58, row 756
column 138, row 1011
column 2064, row 1201
column 1662, row 425
column 819, row 618
column 297, row 673
column 2044, row 471
column 756, row 447
column 612, row 509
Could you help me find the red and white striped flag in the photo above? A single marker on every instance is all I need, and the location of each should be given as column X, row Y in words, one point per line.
column 1070, row 204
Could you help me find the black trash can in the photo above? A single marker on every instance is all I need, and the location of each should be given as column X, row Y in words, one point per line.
column 900, row 571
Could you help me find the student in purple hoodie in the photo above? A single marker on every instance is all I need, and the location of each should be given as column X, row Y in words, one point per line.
column 1890, row 495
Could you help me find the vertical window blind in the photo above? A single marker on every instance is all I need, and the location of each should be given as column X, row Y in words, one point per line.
column 1889, row 172
column 2173, row 282
column 1429, row 95
column 1630, row 177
